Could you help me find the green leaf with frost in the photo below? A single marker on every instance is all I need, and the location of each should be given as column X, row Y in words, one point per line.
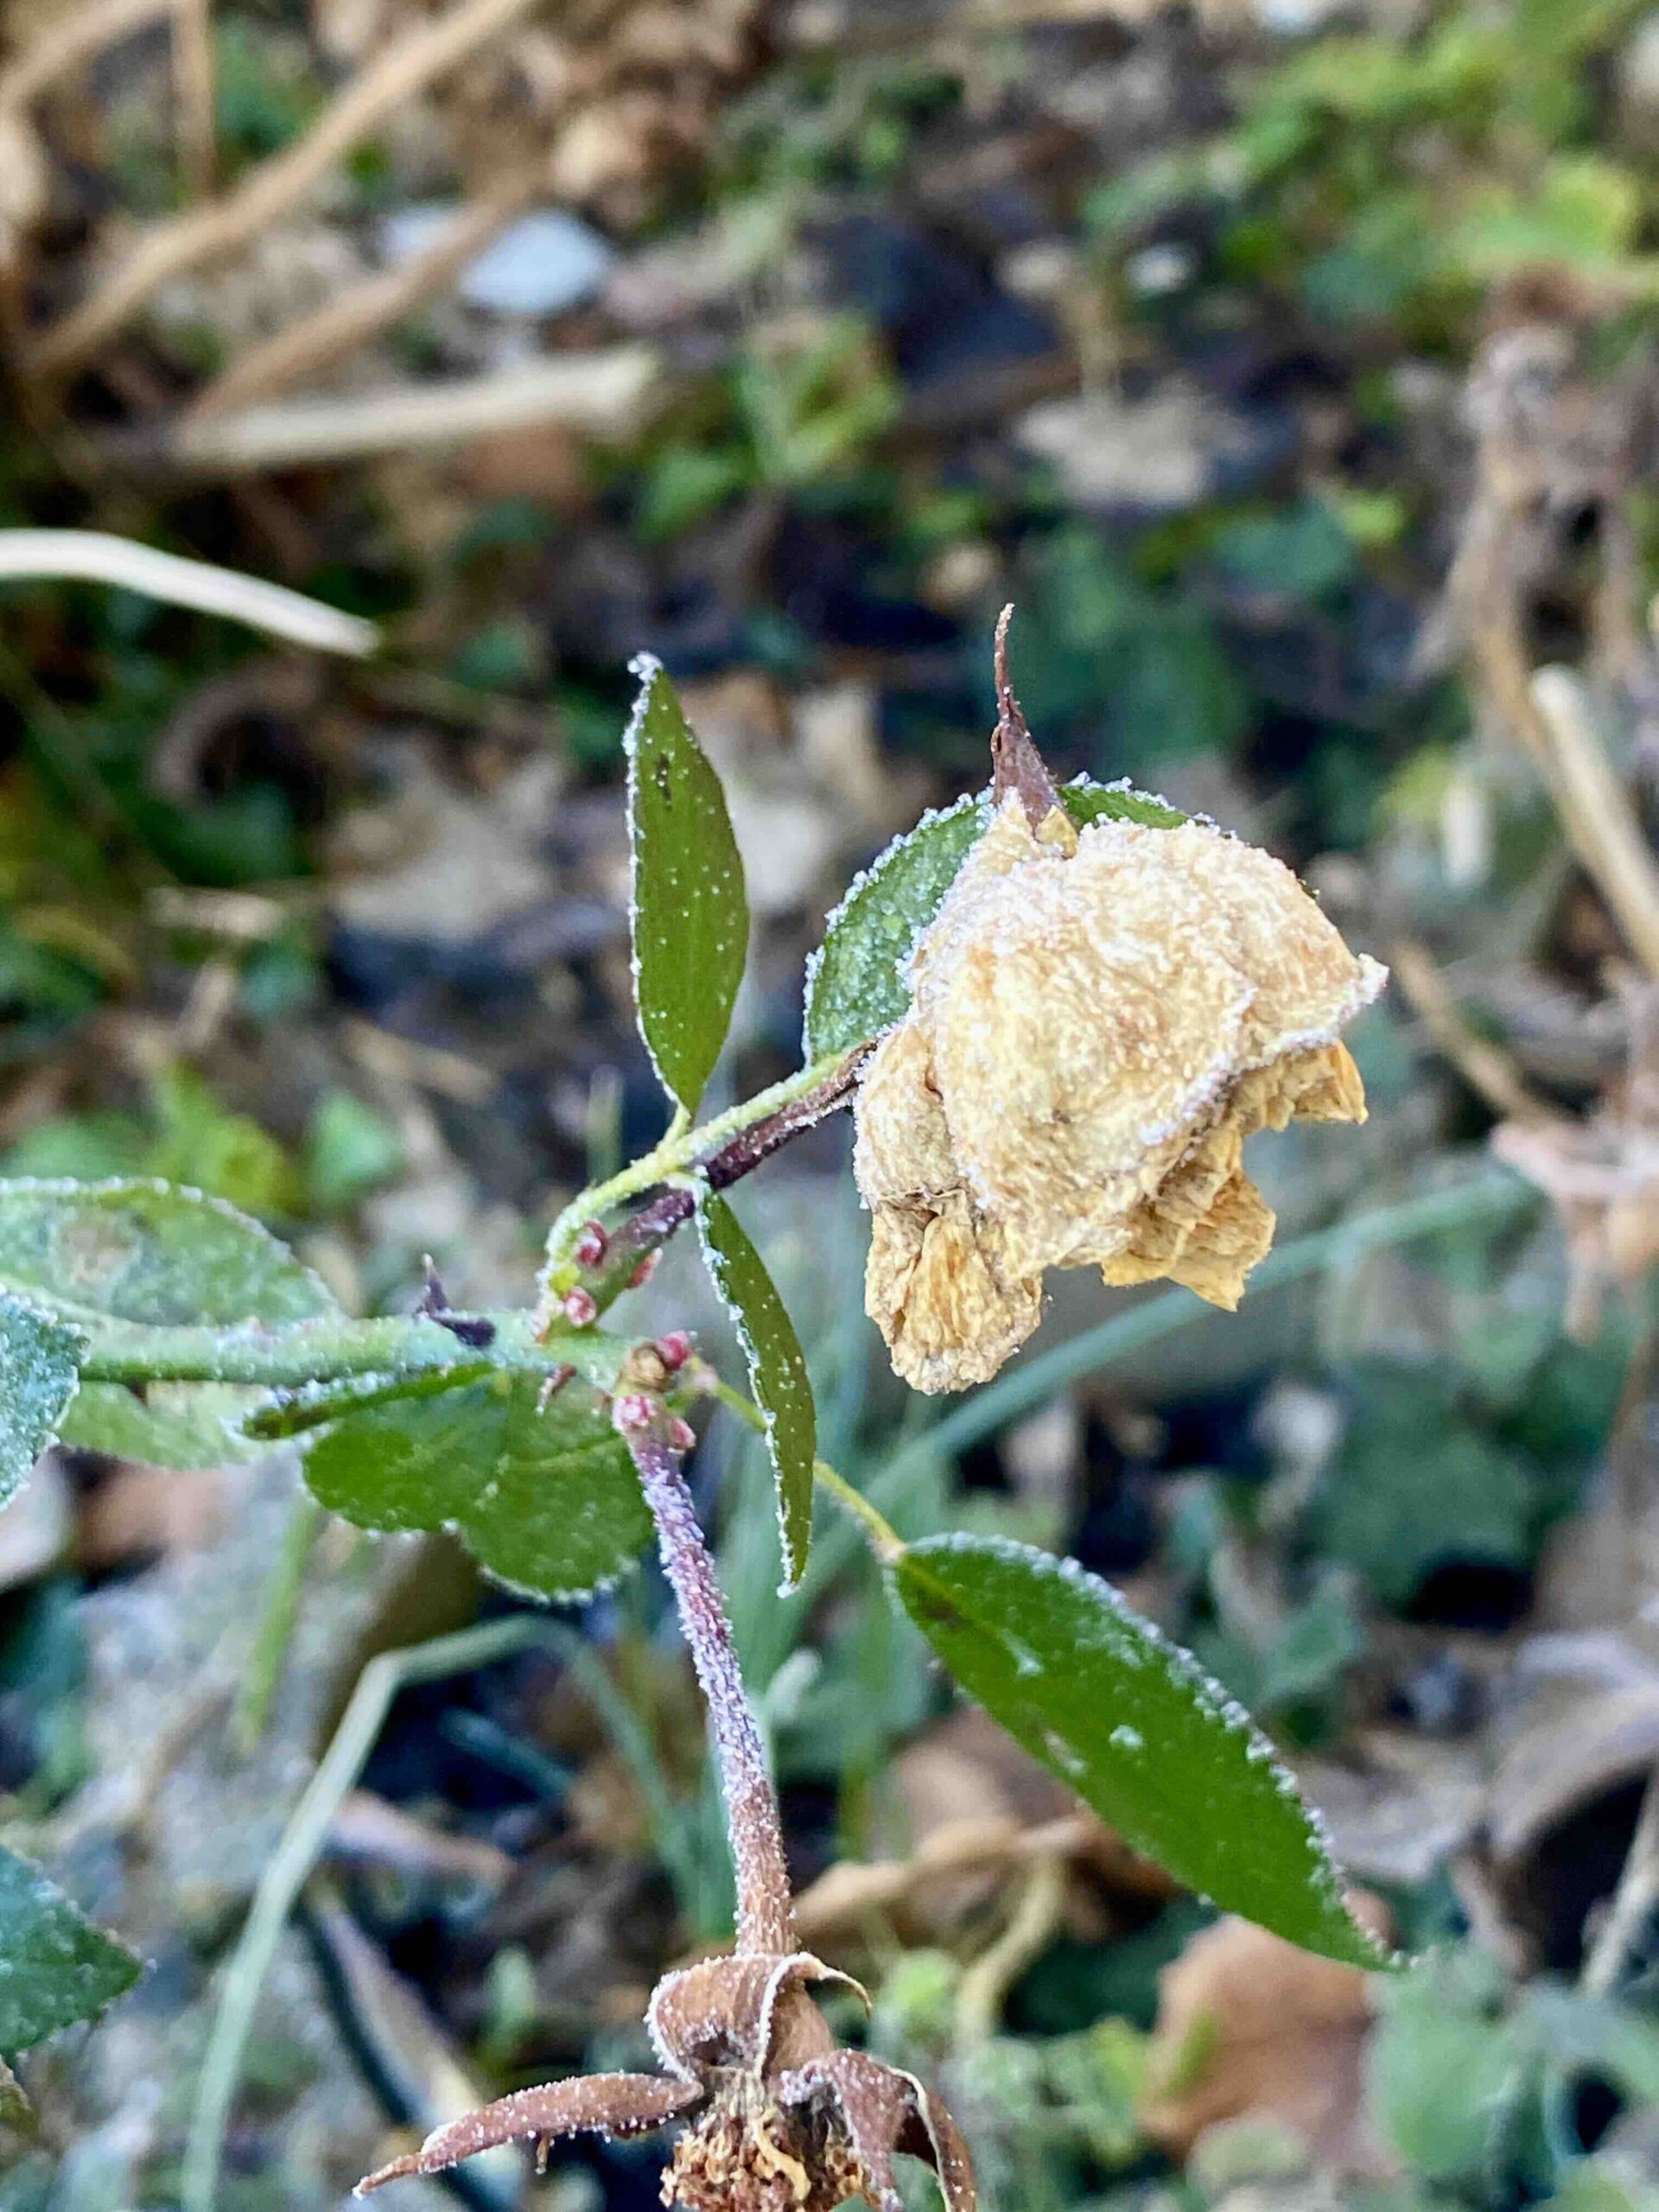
column 148, row 1252
column 690, row 913
column 778, row 1381
column 542, row 1490
column 56, row 1967
column 1134, row 1725
column 857, row 984
column 310, row 1406
column 40, row 1363
column 182, row 1424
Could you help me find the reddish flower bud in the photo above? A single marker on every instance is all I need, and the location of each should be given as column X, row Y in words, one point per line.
column 591, row 1246
column 580, row 1308
column 681, row 1434
column 674, row 1350
column 643, row 1273
column 633, row 1410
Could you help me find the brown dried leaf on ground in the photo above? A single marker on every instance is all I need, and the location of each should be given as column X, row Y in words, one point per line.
column 1248, row 2024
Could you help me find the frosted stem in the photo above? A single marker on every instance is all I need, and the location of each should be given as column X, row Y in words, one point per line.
column 765, row 1913
column 788, row 1107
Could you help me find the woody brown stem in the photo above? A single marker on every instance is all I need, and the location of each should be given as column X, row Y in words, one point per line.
column 646, row 1231
column 766, row 1912
column 1016, row 765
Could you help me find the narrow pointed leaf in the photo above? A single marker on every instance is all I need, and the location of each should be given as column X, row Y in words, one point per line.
column 690, row 913
column 778, row 1381
column 56, row 1967
column 148, row 1252
column 856, row 984
column 40, row 1361
column 543, row 1494
column 1134, row 1725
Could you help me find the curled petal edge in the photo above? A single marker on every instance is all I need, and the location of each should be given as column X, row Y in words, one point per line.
column 610, row 2104
column 884, row 2109
column 730, row 2001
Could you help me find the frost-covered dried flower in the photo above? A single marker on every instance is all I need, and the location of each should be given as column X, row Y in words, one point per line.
column 779, row 2117
column 1100, row 1018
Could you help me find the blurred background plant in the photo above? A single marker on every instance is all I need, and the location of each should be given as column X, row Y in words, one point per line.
column 1293, row 368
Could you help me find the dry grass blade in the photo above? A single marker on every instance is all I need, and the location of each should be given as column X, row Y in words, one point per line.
column 87, row 32
column 603, row 393
column 94, row 556
column 1596, row 812
column 303, row 350
column 1484, row 1066
column 192, row 77
column 275, row 187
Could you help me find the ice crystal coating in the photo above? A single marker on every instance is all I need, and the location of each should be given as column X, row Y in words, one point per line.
column 779, row 2117
column 1099, row 1019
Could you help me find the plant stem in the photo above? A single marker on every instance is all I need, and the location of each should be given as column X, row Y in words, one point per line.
column 331, row 1349
column 766, row 1912
column 681, row 1147
column 283, row 1591
column 884, row 1538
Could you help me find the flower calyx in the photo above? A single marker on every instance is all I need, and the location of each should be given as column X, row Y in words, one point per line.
column 779, row 2117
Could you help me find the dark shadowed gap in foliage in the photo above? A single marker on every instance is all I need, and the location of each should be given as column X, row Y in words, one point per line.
column 1594, row 2104
column 1118, row 1532
column 1574, row 1867
column 1485, row 1595
column 418, row 1755
column 1216, row 1430
column 835, row 582
column 811, row 1833
column 943, row 318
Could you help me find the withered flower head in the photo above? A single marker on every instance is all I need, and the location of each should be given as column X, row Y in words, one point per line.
column 779, row 2117
column 1100, row 1018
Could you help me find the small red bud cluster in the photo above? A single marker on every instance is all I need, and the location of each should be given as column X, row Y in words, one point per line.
column 636, row 1413
column 580, row 1308
column 591, row 1246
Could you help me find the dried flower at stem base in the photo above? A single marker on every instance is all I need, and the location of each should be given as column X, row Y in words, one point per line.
column 1100, row 1019
column 779, row 2117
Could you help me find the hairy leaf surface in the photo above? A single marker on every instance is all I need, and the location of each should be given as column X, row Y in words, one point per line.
column 1134, row 1725
column 40, row 1357
column 778, row 1381
column 56, row 1967
column 148, row 1252
column 690, row 911
column 544, row 1494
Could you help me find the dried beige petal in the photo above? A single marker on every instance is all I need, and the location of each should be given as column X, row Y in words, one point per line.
column 950, row 1316
column 1099, row 1020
